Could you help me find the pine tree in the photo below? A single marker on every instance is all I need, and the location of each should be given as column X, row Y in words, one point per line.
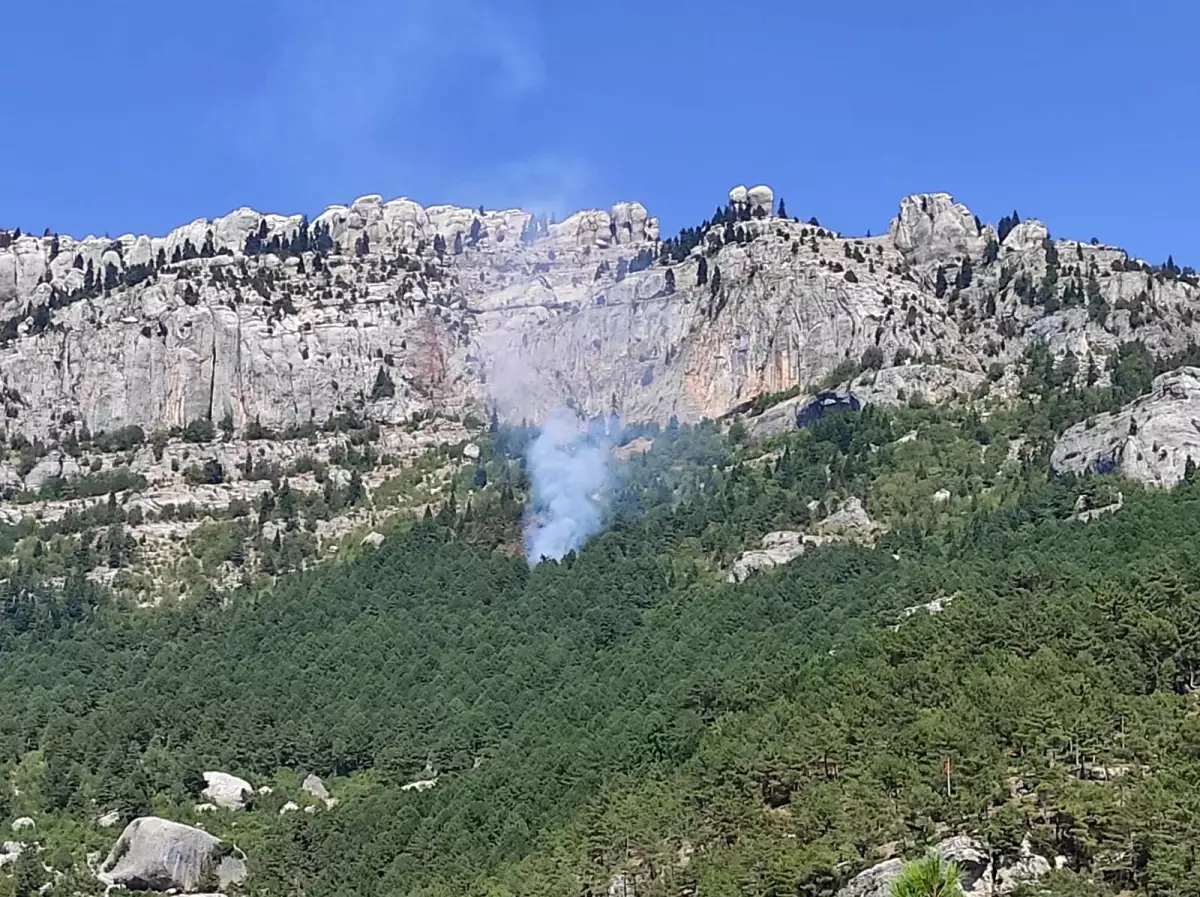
column 384, row 388
column 965, row 273
column 930, row 876
column 702, row 272
column 782, row 208
column 670, row 282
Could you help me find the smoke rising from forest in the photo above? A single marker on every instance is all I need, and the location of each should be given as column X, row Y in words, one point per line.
column 569, row 473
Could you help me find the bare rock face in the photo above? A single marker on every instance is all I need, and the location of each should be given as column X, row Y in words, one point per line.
column 1149, row 440
column 155, row 854
column 1026, row 237
column 777, row 548
column 391, row 312
column 227, row 791
column 933, row 227
column 929, row 383
column 848, row 521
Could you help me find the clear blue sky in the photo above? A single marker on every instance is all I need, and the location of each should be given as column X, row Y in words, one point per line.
column 132, row 115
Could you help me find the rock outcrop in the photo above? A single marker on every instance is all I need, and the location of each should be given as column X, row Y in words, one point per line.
column 848, row 522
column 776, row 549
column 155, row 854
column 227, row 791
column 933, row 226
column 314, row 786
column 1149, row 440
column 980, row 876
column 894, row 386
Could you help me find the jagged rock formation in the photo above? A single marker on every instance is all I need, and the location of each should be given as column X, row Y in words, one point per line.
column 277, row 319
column 1150, row 439
column 155, row 854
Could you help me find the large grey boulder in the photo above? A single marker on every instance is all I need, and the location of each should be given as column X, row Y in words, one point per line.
column 849, row 519
column 227, row 791
column 1149, row 440
column 875, row 881
column 156, row 854
column 314, row 786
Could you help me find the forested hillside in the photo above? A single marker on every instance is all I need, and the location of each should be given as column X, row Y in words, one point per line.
column 490, row 729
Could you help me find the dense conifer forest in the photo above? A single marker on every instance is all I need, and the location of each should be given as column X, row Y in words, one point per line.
column 630, row 710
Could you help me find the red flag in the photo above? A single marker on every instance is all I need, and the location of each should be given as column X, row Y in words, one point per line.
column 946, row 766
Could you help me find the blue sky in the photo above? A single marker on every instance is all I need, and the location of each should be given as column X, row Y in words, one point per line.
column 134, row 115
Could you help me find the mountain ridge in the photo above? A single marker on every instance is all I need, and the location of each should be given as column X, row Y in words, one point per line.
column 193, row 376
column 482, row 287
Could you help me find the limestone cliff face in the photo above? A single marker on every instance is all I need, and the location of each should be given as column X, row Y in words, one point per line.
column 388, row 310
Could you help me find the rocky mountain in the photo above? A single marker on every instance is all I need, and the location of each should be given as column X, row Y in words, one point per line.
column 199, row 369
column 275, row 319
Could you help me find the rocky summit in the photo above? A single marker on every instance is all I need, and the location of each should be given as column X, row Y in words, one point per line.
column 197, row 370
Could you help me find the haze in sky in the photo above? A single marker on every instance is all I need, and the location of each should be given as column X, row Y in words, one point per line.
column 138, row 116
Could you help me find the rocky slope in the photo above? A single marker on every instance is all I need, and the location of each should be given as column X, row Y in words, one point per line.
column 1152, row 439
column 193, row 370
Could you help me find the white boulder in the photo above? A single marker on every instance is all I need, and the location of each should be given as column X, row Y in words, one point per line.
column 761, row 200
column 314, row 786
column 227, row 791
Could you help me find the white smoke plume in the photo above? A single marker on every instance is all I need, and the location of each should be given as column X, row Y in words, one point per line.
column 569, row 473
